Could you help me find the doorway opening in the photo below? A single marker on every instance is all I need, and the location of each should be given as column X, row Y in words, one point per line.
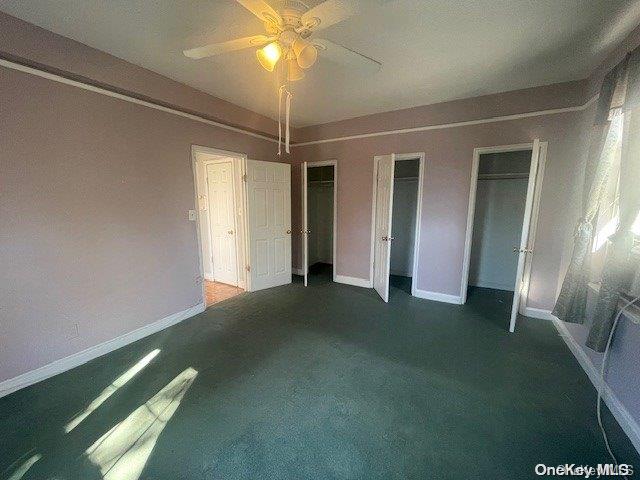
column 396, row 215
column 320, row 216
column 220, row 217
column 503, row 205
column 406, row 173
column 243, row 222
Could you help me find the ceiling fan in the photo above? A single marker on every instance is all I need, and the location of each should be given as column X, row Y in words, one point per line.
column 288, row 36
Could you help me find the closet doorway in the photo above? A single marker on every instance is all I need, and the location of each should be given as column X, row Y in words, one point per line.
column 406, row 173
column 503, row 204
column 395, row 237
column 319, row 220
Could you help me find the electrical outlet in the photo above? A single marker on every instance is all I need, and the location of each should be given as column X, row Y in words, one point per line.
column 192, row 215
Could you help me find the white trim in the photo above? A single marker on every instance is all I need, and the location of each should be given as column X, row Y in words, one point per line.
column 472, row 207
column 357, row 282
column 77, row 359
column 420, row 156
column 304, row 194
column 436, row 296
column 625, row 419
column 238, row 162
column 104, row 91
column 334, row 163
column 538, row 313
column 503, row 118
column 372, row 241
column 533, row 227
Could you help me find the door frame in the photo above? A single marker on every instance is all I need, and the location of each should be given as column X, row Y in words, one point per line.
column 200, row 156
column 416, row 244
column 305, row 185
column 537, row 193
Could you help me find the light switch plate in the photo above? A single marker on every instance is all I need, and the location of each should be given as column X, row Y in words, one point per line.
column 192, row 215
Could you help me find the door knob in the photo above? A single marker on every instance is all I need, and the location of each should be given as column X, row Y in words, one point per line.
column 388, row 239
column 308, row 232
column 288, row 232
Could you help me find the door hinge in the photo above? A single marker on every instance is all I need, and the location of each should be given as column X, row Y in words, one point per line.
column 248, row 268
column 244, row 177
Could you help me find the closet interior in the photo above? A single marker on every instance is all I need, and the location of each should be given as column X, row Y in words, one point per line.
column 497, row 227
column 405, row 202
column 320, row 195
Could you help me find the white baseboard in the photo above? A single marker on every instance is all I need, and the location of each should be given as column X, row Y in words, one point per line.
column 77, row 359
column 537, row 313
column 438, row 297
column 209, row 276
column 627, row 422
column 297, row 271
column 355, row 281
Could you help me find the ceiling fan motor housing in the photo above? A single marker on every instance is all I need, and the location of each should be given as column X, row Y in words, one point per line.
column 291, row 12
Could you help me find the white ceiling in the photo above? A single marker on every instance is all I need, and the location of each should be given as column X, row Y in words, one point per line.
column 431, row 50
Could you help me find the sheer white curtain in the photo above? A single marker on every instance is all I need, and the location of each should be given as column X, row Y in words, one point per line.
column 614, row 160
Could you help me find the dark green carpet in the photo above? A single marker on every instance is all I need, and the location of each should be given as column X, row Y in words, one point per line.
column 319, row 382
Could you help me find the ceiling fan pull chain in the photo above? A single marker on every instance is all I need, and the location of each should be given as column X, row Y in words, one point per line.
column 280, row 119
column 287, row 115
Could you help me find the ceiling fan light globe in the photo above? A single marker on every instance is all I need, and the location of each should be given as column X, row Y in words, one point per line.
column 294, row 72
column 305, row 52
column 269, row 55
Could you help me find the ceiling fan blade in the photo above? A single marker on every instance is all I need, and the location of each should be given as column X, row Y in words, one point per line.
column 262, row 10
column 331, row 12
column 345, row 56
column 228, row 46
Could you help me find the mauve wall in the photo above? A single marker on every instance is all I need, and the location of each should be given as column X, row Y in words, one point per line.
column 36, row 46
column 559, row 95
column 94, row 195
column 449, row 154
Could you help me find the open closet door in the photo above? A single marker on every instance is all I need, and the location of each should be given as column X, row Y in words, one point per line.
column 382, row 226
column 269, row 225
column 305, row 223
column 523, row 250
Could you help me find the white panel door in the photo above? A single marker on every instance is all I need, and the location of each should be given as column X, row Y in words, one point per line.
column 222, row 222
column 305, row 223
column 382, row 226
column 524, row 249
column 269, row 210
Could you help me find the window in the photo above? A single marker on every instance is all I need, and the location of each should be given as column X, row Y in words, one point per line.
column 609, row 214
